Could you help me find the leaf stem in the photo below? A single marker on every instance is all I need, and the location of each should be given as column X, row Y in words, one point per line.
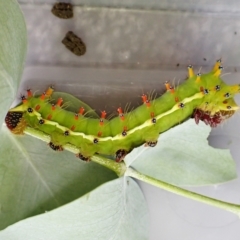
column 234, row 208
column 118, row 168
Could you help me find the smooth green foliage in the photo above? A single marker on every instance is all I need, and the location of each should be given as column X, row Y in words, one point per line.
column 183, row 157
column 35, row 179
column 115, row 210
column 13, row 45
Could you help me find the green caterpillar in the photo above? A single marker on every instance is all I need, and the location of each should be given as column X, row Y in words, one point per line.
column 205, row 97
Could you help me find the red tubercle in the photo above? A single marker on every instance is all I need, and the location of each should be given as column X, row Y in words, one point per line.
column 148, row 103
column 49, row 117
column 99, row 134
column 59, row 102
column 103, row 114
column 81, row 110
column 24, row 100
column 169, row 87
column 120, row 113
column 144, row 98
column 43, row 96
column 29, row 93
column 72, row 127
column 53, row 107
column 37, row 107
column 101, row 122
column 76, row 116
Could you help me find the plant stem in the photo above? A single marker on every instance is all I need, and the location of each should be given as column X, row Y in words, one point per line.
column 118, row 168
column 234, row 208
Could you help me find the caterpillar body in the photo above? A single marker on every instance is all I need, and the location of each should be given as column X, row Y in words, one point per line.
column 205, row 97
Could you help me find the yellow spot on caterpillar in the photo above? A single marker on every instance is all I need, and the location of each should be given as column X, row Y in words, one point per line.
column 190, row 71
column 198, row 79
column 217, row 65
column 218, row 72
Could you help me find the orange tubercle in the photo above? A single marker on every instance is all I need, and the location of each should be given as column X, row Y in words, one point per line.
column 76, row 116
column 99, row 134
column 172, row 89
column 81, row 110
column 24, row 100
column 120, row 110
column 49, row 117
column 103, row 114
column 148, row 103
column 73, row 127
column 120, row 113
column 43, row 96
column 144, row 98
column 101, row 122
column 37, row 107
column 167, row 85
column 29, row 93
column 59, row 102
column 49, row 91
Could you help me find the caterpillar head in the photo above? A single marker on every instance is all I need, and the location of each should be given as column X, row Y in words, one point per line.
column 215, row 113
column 15, row 122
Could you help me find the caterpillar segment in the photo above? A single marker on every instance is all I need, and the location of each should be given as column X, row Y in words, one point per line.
column 204, row 97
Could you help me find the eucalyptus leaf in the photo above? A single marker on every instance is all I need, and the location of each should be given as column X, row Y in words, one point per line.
column 184, row 157
column 35, row 179
column 13, row 45
column 115, row 210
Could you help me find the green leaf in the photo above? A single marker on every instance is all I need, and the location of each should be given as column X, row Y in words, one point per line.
column 115, row 210
column 73, row 104
column 35, row 179
column 13, row 45
column 183, row 157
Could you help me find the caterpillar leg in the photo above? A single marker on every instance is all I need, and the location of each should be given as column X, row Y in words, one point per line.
column 120, row 154
column 55, row 147
column 82, row 157
column 150, row 143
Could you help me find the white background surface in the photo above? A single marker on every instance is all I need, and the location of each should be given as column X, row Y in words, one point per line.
column 130, row 52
